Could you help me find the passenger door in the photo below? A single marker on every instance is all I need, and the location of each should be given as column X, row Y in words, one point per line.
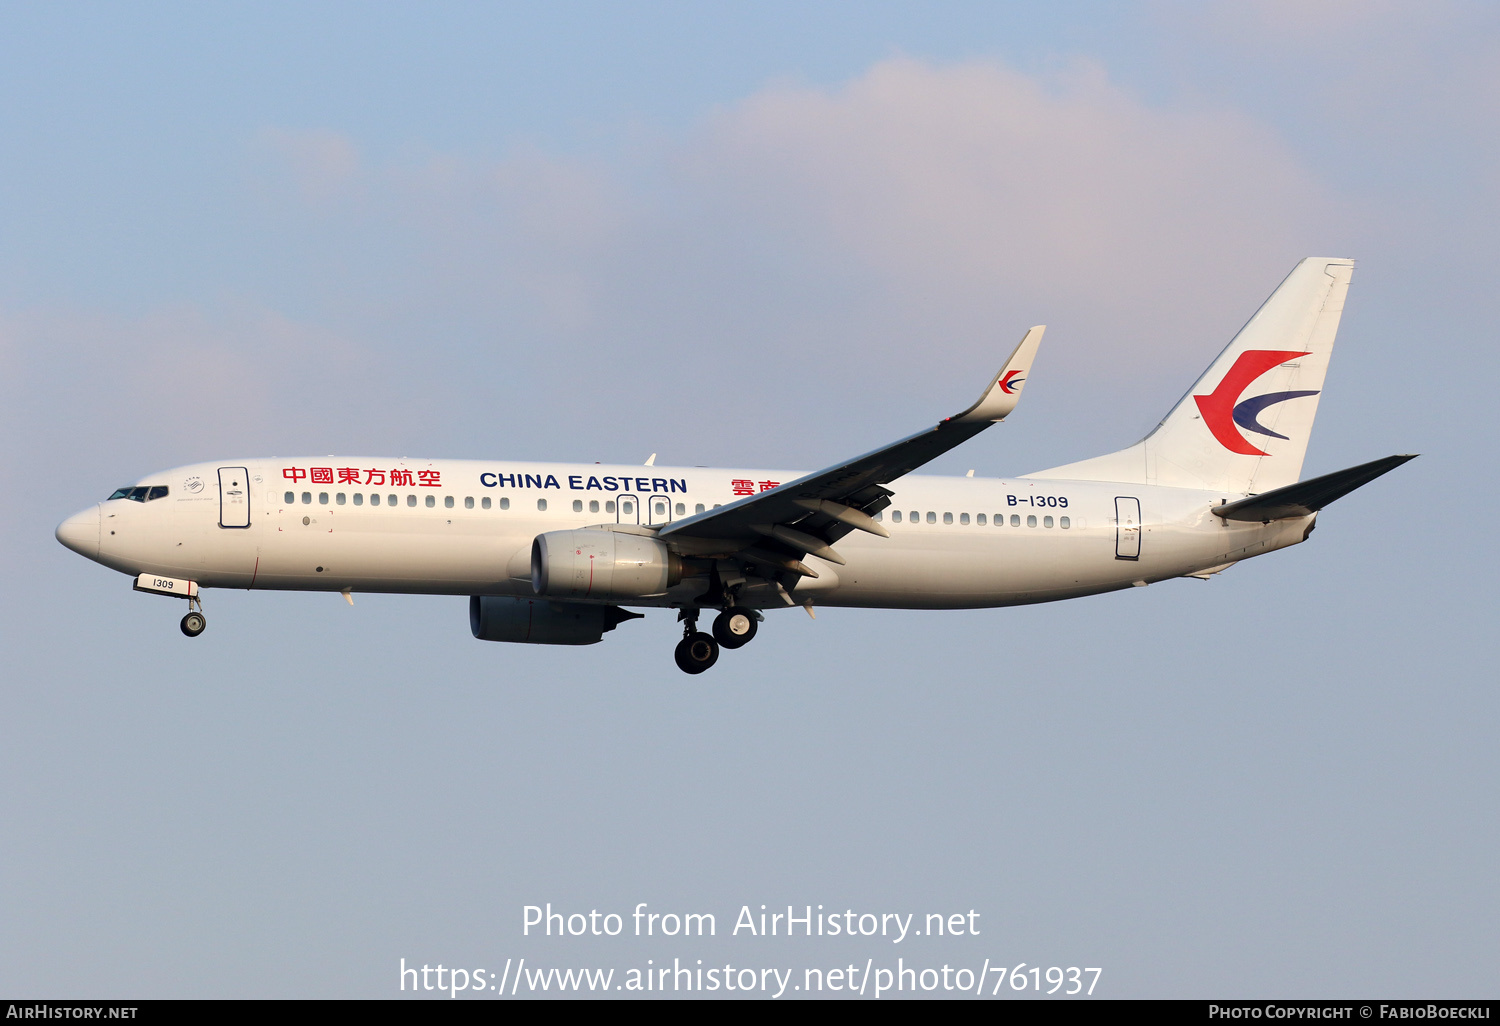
column 661, row 509
column 234, row 497
column 1127, row 527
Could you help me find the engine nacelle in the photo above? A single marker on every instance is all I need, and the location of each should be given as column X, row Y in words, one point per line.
column 601, row 565
column 537, row 621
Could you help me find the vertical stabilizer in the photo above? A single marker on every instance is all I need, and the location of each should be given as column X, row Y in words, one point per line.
column 1245, row 425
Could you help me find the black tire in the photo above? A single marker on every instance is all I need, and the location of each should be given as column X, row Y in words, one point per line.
column 735, row 627
column 193, row 624
column 696, row 652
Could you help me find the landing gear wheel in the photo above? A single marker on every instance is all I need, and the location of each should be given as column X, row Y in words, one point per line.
column 734, row 627
column 193, row 624
column 696, row 652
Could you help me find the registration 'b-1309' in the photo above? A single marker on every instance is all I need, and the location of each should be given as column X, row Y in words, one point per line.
column 558, row 553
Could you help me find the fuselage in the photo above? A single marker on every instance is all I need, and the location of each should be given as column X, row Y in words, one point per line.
column 461, row 527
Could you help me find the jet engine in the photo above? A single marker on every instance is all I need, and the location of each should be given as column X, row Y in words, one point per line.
column 605, row 565
column 539, row 622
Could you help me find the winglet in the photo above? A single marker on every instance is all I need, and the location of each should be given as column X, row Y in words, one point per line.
column 1005, row 391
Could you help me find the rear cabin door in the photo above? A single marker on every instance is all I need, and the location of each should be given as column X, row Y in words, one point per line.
column 1127, row 527
column 234, row 497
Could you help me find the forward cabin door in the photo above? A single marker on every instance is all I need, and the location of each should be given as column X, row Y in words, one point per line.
column 1127, row 527
column 234, row 497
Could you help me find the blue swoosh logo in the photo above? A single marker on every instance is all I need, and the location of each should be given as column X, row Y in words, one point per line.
column 1245, row 413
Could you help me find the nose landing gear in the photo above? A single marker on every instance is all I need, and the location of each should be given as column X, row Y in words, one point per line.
column 194, row 623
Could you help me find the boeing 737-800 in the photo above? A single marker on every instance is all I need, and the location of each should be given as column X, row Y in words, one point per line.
column 553, row 553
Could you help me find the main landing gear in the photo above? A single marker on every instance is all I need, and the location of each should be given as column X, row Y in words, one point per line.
column 194, row 623
column 734, row 627
column 698, row 650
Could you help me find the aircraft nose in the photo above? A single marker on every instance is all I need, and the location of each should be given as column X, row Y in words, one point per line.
column 80, row 532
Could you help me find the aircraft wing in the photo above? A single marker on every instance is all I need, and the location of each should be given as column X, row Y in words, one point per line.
column 776, row 528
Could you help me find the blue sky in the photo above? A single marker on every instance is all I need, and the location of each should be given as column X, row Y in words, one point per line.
column 770, row 235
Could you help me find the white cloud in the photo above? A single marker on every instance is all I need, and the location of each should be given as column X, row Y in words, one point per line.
column 807, row 247
column 946, row 195
column 960, row 184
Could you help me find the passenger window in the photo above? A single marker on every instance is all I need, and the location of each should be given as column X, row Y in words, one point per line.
column 484, row 503
column 447, row 502
column 504, row 502
column 339, row 498
column 390, row 500
column 931, row 517
column 681, row 509
column 979, row 519
column 609, row 506
column 307, row 498
column 914, row 517
column 290, row 498
column 698, row 508
column 541, row 505
column 374, row 499
column 717, row 505
column 469, row 502
column 963, row 518
column 411, row 500
column 879, row 516
column 1031, row 520
column 431, row 501
column 359, row 498
column 593, row 505
column 577, row 505
column 156, row 492
column 1046, row 521
column 661, row 509
column 895, row 516
column 947, row 518
column 322, row 498
column 1064, row 523
column 1015, row 520
column 627, row 507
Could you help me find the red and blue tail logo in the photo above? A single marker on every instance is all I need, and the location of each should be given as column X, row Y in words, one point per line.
column 1222, row 409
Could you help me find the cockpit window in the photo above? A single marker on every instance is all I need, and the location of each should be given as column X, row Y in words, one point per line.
column 140, row 493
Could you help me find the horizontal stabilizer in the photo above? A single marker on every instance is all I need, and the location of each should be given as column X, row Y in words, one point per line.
column 1307, row 497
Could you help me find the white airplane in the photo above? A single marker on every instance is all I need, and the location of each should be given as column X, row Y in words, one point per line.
column 551, row 553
